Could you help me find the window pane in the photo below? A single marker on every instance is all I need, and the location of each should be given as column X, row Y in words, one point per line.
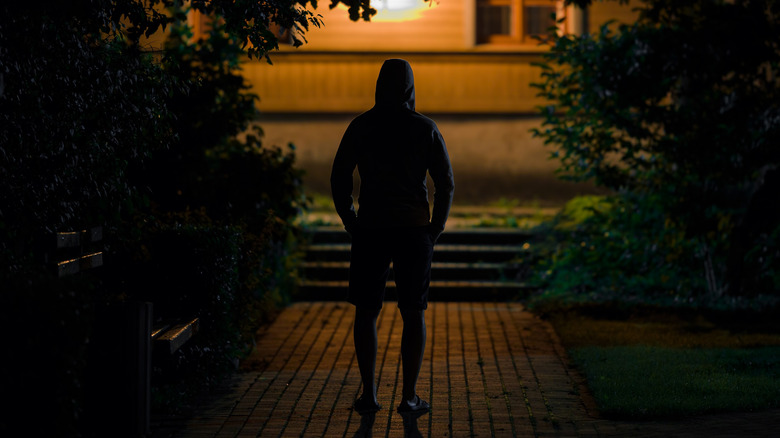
column 538, row 19
column 493, row 20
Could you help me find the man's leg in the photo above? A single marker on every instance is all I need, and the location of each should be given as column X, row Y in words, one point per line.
column 412, row 257
column 364, row 333
column 369, row 267
column 412, row 349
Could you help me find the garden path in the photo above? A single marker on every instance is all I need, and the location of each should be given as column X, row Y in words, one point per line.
column 491, row 369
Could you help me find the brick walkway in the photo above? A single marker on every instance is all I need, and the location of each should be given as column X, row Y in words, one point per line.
column 491, row 369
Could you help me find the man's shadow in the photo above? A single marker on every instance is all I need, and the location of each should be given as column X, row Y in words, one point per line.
column 366, row 428
column 409, row 419
column 410, row 424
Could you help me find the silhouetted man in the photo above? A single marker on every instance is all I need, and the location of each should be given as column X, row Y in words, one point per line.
column 393, row 148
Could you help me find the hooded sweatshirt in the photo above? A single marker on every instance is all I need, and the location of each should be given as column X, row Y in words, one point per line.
column 393, row 148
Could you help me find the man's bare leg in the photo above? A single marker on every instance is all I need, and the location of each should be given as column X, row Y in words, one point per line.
column 412, row 349
column 365, row 337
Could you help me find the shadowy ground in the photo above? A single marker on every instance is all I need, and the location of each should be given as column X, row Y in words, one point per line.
column 491, row 369
column 652, row 364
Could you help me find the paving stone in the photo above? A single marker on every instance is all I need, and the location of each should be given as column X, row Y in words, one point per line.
column 490, row 369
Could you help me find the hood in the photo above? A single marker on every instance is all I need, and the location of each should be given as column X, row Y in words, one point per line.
column 395, row 85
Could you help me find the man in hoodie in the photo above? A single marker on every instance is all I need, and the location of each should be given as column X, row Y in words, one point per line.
column 393, row 148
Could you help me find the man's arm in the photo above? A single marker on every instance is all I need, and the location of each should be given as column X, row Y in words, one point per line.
column 443, row 182
column 341, row 180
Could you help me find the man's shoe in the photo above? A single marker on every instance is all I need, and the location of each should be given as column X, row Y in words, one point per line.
column 418, row 406
column 365, row 406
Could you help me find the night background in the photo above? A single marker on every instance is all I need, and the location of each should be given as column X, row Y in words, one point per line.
column 164, row 166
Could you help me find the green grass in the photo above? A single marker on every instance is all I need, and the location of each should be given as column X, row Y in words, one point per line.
column 642, row 382
column 504, row 213
column 656, row 365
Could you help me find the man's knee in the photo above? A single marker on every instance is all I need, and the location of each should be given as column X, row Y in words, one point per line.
column 366, row 313
column 412, row 315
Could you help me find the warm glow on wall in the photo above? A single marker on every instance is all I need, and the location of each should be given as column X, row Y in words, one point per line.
column 400, row 10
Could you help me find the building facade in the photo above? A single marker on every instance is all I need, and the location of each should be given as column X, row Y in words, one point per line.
column 473, row 62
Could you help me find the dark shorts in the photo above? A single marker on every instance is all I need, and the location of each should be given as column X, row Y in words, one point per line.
column 409, row 249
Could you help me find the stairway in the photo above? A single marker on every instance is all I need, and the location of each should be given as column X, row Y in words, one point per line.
column 481, row 264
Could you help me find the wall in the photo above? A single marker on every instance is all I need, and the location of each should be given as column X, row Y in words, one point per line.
column 601, row 12
column 462, row 83
column 493, row 157
column 480, row 96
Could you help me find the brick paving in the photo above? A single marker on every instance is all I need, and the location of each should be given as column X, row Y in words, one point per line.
column 490, row 369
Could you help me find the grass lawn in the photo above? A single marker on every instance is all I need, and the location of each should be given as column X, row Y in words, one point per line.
column 664, row 365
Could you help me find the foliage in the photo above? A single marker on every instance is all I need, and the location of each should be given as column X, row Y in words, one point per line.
column 233, row 280
column 627, row 251
column 218, row 194
column 764, row 261
column 218, row 173
column 218, row 161
column 84, row 113
column 614, row 249
column 69, row 128
column 76, row 111
column 81, row 104
column 679, row 120
column 46, row 324
column 189, row 268
column 636, row 109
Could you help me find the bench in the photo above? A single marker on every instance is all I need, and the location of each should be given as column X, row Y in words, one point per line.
column 78, row 251
column 123, row 342
column 169, row 336
column 116, row 380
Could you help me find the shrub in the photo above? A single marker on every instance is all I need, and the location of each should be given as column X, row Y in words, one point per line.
column 682, row 124
column 624, row 250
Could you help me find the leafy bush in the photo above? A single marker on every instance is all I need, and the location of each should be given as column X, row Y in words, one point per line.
column 623, row 250
column 70, row 128
column 223, row 209
column 189, row 270
column 76, row 112
column 763, row 262
column 233, row 280
column 46, row 323
column 682, row 124
column 83, row 112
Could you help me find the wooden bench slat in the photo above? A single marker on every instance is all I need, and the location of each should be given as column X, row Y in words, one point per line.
column 177, row 335
column 68, row 267
column 73, row 266
column 92, row 260
column 76, row 251
column 70, row 239
column 159, row 330
column 94, row 234
column 74, row 239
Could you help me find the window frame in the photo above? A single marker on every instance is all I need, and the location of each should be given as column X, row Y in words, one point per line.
column 517, row 35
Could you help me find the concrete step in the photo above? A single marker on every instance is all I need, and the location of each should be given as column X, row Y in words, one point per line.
column 468, row 265
column 441, row 253
column 451, row 271
column 439, row 291
column 458, row 236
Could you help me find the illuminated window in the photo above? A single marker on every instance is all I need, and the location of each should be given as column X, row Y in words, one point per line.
column 401, row 10
column 515, row 21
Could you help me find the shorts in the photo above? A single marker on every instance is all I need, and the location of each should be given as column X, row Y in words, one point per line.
column 409, row 248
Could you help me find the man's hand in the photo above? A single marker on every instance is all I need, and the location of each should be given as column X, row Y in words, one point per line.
column 435, row 232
